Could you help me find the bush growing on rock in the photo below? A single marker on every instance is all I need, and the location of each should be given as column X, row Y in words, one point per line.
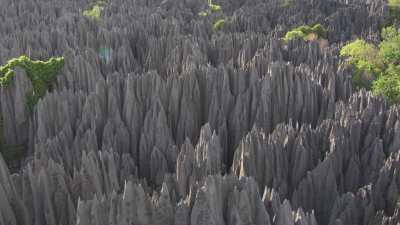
column 95, row 11
column 219, row 24
column 307, row 33
column 211, row 9
column 41, row 73
column 362, row 56
column 214, row 7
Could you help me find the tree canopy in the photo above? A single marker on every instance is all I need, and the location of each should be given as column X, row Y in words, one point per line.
column 380, row 60
column 307, row 32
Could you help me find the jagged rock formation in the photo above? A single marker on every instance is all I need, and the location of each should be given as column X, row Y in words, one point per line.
column 185, row 125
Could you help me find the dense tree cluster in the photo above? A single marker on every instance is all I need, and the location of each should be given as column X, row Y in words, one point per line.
column 377, row 67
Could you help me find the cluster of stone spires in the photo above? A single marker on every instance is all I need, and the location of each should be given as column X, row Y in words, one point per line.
column 185, row 125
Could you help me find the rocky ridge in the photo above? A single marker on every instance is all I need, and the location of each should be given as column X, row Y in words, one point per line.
column 188, row 125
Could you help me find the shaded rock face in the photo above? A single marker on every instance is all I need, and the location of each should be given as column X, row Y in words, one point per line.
column 185, row 125
column 14, row 111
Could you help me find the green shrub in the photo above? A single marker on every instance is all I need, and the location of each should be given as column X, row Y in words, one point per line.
column 293, row 34
column 361, row 54
column 319, row 30
column 95, row 12
column 389, row 48
column 382, row 61
column 219, row 24
column 214, row 7
column 305, row 31
column 41, row 74
column 388, row 84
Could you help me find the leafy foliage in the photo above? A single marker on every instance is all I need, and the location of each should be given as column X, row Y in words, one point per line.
column 95, row 11
column 41, row 73
column 361, row 54
column 389, row 51
column 211, row 8
column 214, row 7
column 382, row 61
column 388, row 84
column 219, row 24
column 306, row 32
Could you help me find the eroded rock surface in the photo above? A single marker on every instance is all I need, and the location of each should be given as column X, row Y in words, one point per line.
column 185, row 125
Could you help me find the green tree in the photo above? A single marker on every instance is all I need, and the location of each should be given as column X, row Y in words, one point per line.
column 389, row 48
column 388, row 84
column 361, row 54
column 382, row 61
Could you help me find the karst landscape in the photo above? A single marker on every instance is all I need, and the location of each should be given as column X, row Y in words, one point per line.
column 196, row 112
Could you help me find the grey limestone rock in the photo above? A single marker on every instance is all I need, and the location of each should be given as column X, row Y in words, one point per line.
column 159, row 119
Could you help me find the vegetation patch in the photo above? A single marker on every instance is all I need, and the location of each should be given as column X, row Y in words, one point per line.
column 377, row 67
column 96, row 10
column 211, row 8
column 94, row 13
column 214, row 7
column 219, row 24
column 307, row 33
column 41, row 74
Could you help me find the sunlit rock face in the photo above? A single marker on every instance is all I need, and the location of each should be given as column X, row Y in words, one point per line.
column 157, row 118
